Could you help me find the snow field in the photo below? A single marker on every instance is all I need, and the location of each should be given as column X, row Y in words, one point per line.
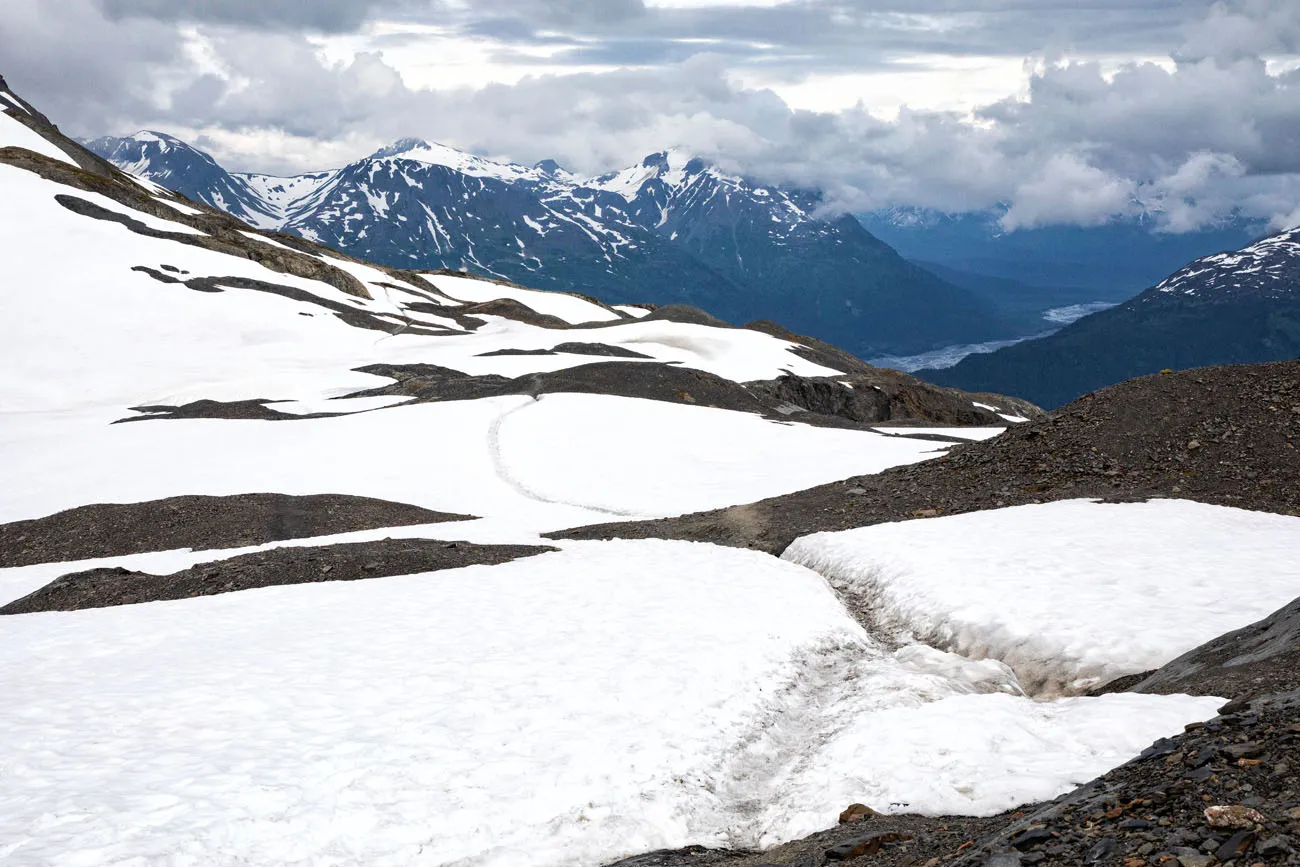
column 561, row 461
column 1071, row 593
column 579, row 448
column 566, row 709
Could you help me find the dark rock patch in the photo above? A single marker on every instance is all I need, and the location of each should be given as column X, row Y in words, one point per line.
column 501, row 353
column 695, row 856
column 509, row 308
column 684, row 313
column 352, row 316
column 246, row 410
column 104, row 588
column 649, row 380
column 825, row 403
column 1225, row 435
column 881, row 396
column 199, row 522
column 600, row 349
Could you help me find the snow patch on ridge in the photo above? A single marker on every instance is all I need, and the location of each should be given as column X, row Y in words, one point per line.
column 13, row 133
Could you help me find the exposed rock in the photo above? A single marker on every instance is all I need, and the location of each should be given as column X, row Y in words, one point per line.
column 257, row 409
column 675, row 384
column 856, row 813
column 599, row 349
column 199, row 522
column 102, row 588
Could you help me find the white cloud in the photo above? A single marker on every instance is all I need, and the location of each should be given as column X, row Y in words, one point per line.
column 1079, row 136
column 1068, row 189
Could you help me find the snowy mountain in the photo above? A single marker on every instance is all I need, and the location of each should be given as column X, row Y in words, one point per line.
column 189, row 171
column 1228, row 308
column 669, row 230
column 289, row 567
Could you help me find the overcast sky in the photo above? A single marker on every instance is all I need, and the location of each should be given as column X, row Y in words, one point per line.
column 1061, row 111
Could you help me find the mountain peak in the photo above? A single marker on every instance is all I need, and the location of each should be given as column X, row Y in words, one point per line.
column 437, row 154
column 401, row 148
column 550, row 167
column 162, row 139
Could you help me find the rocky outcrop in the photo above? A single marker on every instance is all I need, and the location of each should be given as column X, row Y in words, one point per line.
column 823, row 402
column 199, row 522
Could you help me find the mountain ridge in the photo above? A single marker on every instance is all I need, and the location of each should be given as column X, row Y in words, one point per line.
column 672, row 229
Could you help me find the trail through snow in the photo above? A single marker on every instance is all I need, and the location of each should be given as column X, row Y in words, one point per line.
column 502, row 467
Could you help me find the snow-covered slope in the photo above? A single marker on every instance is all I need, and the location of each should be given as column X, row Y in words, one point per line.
column 566, row 708
column 672, row 229
column 1268, row 269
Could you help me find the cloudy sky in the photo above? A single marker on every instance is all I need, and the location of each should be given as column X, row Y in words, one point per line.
column 1058, row 111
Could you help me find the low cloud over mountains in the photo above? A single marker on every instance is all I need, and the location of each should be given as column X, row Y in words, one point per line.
column 1183, row 111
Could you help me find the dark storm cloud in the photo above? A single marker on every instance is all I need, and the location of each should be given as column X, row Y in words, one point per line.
column 1216, row 133
column 332, row 16
column 834, row 34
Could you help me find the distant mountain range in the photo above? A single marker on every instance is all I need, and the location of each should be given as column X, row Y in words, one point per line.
column 1110, row 262
column 672, row 229
column 1227, row 308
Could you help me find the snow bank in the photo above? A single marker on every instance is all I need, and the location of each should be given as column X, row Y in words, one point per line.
column 973, row 755
column 566, row 709
column 1068, row 593
column 556, row 710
